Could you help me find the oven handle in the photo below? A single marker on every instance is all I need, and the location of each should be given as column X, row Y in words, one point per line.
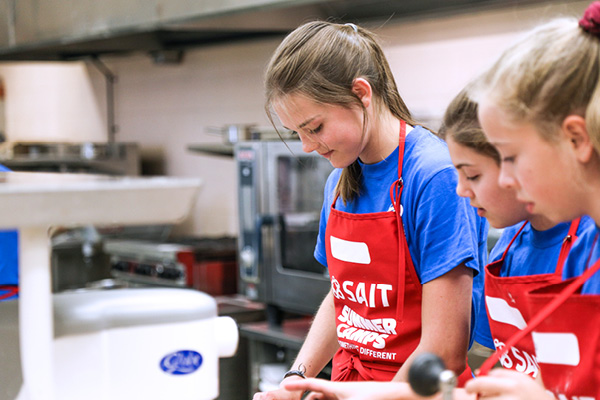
column 270, row 221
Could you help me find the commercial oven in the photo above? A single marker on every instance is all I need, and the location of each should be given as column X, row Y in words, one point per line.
column 280, row 199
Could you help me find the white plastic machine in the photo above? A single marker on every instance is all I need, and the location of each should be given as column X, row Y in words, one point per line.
column 126, row 344
column 103, row 344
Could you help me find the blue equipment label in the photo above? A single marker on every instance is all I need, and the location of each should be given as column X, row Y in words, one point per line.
column 181, row 362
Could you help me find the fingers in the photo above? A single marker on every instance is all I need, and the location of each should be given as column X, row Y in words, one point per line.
column 320, row 389
column 487, row 385
column 279, row 394
column 506, row 384
column 311, row 384
column 315, row 396
column 272, row 395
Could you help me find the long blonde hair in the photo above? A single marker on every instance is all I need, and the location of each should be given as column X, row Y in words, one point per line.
column 549, row 74
column 321, row 60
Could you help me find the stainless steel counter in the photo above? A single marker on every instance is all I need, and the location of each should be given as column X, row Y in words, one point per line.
column 234, row 374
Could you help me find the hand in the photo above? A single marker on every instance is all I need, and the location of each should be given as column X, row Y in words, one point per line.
column 281, row 393
column 327, row 390
column 503, row 384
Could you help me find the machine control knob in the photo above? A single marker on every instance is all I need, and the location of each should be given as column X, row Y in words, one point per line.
column 247, row 257
column 144, row 269
column 121, row 266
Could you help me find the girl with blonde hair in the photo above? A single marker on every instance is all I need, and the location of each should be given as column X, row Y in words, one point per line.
column 540, row 107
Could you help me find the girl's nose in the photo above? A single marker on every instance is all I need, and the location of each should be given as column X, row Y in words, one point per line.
column 506, row 179
column 463, row 189
column 308, row 145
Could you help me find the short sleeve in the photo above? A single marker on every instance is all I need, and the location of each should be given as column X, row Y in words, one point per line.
column 483, row 333
column 446, row 230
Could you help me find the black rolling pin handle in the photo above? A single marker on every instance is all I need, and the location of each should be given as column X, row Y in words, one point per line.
column 428, row 375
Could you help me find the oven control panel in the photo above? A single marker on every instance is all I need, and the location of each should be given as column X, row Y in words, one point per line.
column 150, row 263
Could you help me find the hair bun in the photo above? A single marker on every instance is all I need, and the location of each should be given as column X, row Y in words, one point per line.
column 590, row 22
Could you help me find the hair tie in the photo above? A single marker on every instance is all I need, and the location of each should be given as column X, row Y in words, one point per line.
column 590, row 22
column 351, row 25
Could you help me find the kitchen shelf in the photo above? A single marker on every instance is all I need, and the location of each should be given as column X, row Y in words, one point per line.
column 214, row 149
column 156, row 42
column 290, row 334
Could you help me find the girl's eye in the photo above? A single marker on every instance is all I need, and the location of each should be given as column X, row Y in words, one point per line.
column 472, row 178
column 317, row 129
column 508, row 159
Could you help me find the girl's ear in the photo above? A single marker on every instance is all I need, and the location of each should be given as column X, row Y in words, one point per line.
column 362, row 89
column 575, row 129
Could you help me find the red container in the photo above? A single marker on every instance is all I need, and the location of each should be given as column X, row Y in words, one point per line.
column 215, row 277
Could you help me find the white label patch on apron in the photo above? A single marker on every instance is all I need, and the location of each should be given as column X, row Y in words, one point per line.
column 347, row 251
column 500, row 311
column 556, row 348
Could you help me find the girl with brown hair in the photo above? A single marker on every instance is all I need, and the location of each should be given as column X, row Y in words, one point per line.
column 401, row 247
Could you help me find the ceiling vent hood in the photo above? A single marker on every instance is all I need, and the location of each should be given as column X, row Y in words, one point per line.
column 59, row 30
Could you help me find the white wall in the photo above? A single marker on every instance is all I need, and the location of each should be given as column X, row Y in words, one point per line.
column 52, row 102
column 432, row 60
column 167, row 107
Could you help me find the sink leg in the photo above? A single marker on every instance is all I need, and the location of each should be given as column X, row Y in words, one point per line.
column 36, row 328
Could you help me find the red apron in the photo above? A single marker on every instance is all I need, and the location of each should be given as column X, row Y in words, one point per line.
column 372, row 274
column 567, row 341
column 506, row 308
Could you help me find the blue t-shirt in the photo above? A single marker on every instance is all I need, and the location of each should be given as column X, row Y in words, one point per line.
column 532, row 253
column 442, row 229
column 9, row 251
column 577, row 262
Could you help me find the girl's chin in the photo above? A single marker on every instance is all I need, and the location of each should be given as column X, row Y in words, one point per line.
column 530, row 207
column 499, row 222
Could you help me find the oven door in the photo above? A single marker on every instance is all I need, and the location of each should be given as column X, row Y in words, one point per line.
column 297, row 282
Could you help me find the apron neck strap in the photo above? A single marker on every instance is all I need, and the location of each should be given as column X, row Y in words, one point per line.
column 396, row 189
column 566, row 245
column 396, row 194
column 401, row 142
column 512, row 240
column 11, row 290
